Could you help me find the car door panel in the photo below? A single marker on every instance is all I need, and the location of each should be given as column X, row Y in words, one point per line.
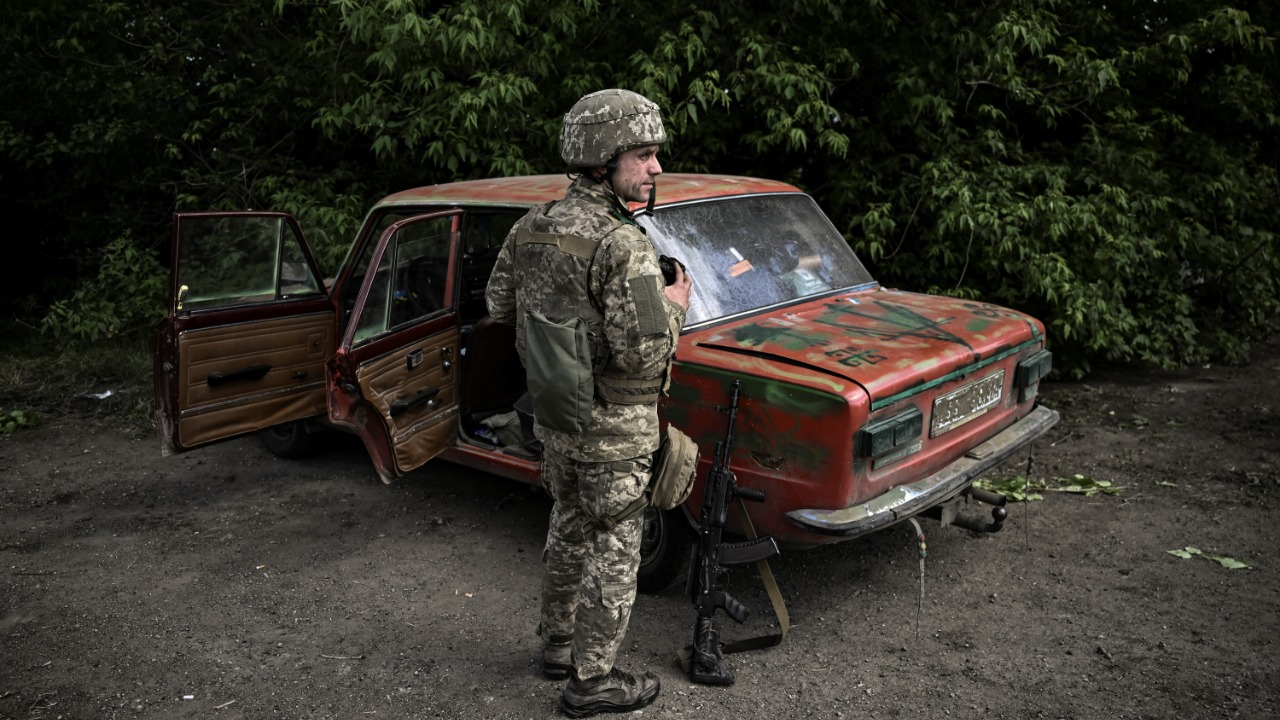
column 393, row 379
column 240, row 378
column 415, row 393
column 249, row 328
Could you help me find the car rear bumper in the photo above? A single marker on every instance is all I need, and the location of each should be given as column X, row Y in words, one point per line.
column 911, row 499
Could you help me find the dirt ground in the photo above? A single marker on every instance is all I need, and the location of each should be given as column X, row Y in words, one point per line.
column 227, row 583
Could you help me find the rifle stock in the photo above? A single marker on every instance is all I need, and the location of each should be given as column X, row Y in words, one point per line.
column 714, row 555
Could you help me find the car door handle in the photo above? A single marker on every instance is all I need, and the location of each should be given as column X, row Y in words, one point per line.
column 253, row 372
column 399, row 407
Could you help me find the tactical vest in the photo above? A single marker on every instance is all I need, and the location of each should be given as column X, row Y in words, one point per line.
column 562, row 263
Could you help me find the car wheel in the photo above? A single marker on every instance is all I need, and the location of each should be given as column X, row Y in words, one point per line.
column 665, row 546
column 291, row 440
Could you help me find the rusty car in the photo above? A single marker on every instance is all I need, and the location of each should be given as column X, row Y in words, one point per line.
column 861, row 405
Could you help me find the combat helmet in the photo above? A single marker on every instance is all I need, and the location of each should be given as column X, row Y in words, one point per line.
column 607, row 122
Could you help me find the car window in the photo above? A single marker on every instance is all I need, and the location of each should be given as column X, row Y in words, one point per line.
column 409, row 284
column 383, row 221
column 360, row 267
column 483, row 234
column 226, row 260
column 753, row 251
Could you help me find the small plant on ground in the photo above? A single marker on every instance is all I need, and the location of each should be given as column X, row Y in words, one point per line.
column 1189, row 552
column 1087, row 486
column 1017, row 488
column 45, row 377
column 12, row 421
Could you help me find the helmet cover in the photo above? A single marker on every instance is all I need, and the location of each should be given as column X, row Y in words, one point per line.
column 608, row 122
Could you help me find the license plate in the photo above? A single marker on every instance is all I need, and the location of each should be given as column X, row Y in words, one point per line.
column 959, row 406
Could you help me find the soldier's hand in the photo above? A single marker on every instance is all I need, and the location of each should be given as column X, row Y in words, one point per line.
column 678, row 291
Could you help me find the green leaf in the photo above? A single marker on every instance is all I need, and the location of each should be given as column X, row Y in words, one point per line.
column 1017, row 488
column 15, row 420
column 1082, row 485
column 1226, row 562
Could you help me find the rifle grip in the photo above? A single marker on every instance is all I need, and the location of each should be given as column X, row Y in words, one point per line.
column 750, row 494
column 733, row 608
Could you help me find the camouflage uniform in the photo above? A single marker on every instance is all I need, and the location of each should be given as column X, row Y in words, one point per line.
column 589, row 583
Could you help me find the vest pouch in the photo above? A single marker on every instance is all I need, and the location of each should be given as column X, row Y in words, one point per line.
column 557, row 359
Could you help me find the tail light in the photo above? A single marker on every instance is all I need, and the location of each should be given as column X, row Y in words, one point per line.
column 1029, row 373
column 892, row 439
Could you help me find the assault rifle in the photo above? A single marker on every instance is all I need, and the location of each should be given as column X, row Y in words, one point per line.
column 708, row 564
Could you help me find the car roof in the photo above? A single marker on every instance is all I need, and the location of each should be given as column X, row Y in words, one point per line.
column 529, row 190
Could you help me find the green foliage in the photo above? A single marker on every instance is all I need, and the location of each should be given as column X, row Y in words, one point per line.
column 12, row 421
column 1018, row 488
column 1108, row 167
column 1070, row 159
column 329, row 220
column 1189, row 552
column 108, row 378
column 127, row 295
column 1087, row 486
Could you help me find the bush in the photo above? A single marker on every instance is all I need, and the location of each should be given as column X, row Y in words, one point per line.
column 127, row 296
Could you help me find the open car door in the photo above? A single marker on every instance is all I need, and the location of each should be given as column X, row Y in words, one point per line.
column 249, row 328
column 394, row 380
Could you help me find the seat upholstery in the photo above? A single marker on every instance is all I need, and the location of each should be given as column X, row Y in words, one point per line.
column 495, row 375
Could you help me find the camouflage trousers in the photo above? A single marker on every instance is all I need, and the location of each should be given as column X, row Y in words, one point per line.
column 589, row 578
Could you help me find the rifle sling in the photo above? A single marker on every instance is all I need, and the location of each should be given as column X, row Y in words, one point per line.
column 685, row 654
column 775, row 598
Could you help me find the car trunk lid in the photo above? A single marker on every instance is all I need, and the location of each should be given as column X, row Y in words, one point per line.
column 891, row 343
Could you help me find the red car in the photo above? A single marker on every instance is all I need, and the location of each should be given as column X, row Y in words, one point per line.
column 860, row 405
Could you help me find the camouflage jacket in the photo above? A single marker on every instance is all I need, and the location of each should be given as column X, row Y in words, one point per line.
column 634, row 327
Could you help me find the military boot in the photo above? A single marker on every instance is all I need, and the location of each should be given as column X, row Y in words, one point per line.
column 619, row 691
column 557, row 660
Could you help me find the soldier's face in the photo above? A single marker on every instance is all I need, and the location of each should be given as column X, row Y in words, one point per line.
column 637, row 173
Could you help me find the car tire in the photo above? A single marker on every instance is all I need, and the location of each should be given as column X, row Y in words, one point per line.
column 293, row 440
column 666, row 544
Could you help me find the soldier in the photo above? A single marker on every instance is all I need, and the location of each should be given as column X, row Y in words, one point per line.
column 596, row 329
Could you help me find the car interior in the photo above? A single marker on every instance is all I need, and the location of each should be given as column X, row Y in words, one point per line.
column 492, row 378
column 411, row 285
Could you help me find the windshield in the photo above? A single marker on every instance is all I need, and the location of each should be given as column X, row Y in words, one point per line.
column 753, row 251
